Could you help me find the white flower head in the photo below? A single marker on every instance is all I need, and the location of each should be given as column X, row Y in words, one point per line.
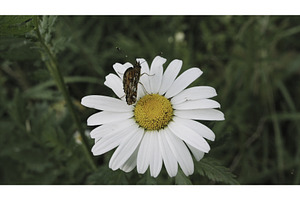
column 161, row 126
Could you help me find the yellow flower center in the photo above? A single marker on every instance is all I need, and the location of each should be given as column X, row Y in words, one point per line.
column 153, row 112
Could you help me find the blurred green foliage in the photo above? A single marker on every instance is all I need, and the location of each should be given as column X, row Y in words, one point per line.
column 252, row 61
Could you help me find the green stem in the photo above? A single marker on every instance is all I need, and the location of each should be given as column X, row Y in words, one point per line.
column 54, row 70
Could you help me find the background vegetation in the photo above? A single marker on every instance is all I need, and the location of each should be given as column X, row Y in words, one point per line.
column 252, row 61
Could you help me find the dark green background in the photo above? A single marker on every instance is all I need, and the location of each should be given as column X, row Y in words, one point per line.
column 252, row 61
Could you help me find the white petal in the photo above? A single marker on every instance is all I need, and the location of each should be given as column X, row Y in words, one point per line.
column 115, row 83
column 200, row 114
column 106, row 103
column 167, row 154
column 112, row 140
column 107, row 117
column 188, row 135
column 197, row 104
column 156, row 159
column 144, row 64
column 144, row 79
column 109, row 128
column 180, row 152
column 194, row 93
column 126, row 148
column 120, row 69
column 170, row 75
column 143, row 157
column 198, row 127
column 197, row 153
column 130, row 164
column 156, row 72
column 100, row 131
column 141, row 91
column 184, row 80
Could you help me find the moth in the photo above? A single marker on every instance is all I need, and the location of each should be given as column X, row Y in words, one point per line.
column 130, row 82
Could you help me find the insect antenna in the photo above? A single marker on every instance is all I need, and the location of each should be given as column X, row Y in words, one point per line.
column 126, row 56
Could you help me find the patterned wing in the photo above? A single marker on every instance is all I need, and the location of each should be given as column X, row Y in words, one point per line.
column 130, row 82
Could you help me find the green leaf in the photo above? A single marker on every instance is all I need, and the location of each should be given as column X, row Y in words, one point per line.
column 214, row 171
column 106, row 176
column 288, row 116
column 44, row 91
column 182, row 179
column 147, row 179
column 16, row 108
column 15, row 25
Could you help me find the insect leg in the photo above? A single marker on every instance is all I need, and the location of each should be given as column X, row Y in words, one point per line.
column 147, row 74
column 144, row 89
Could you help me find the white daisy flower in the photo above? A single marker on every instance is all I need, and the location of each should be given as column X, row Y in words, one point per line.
column 161, row 126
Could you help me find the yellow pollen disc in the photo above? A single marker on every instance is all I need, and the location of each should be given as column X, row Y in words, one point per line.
column 153, row 112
